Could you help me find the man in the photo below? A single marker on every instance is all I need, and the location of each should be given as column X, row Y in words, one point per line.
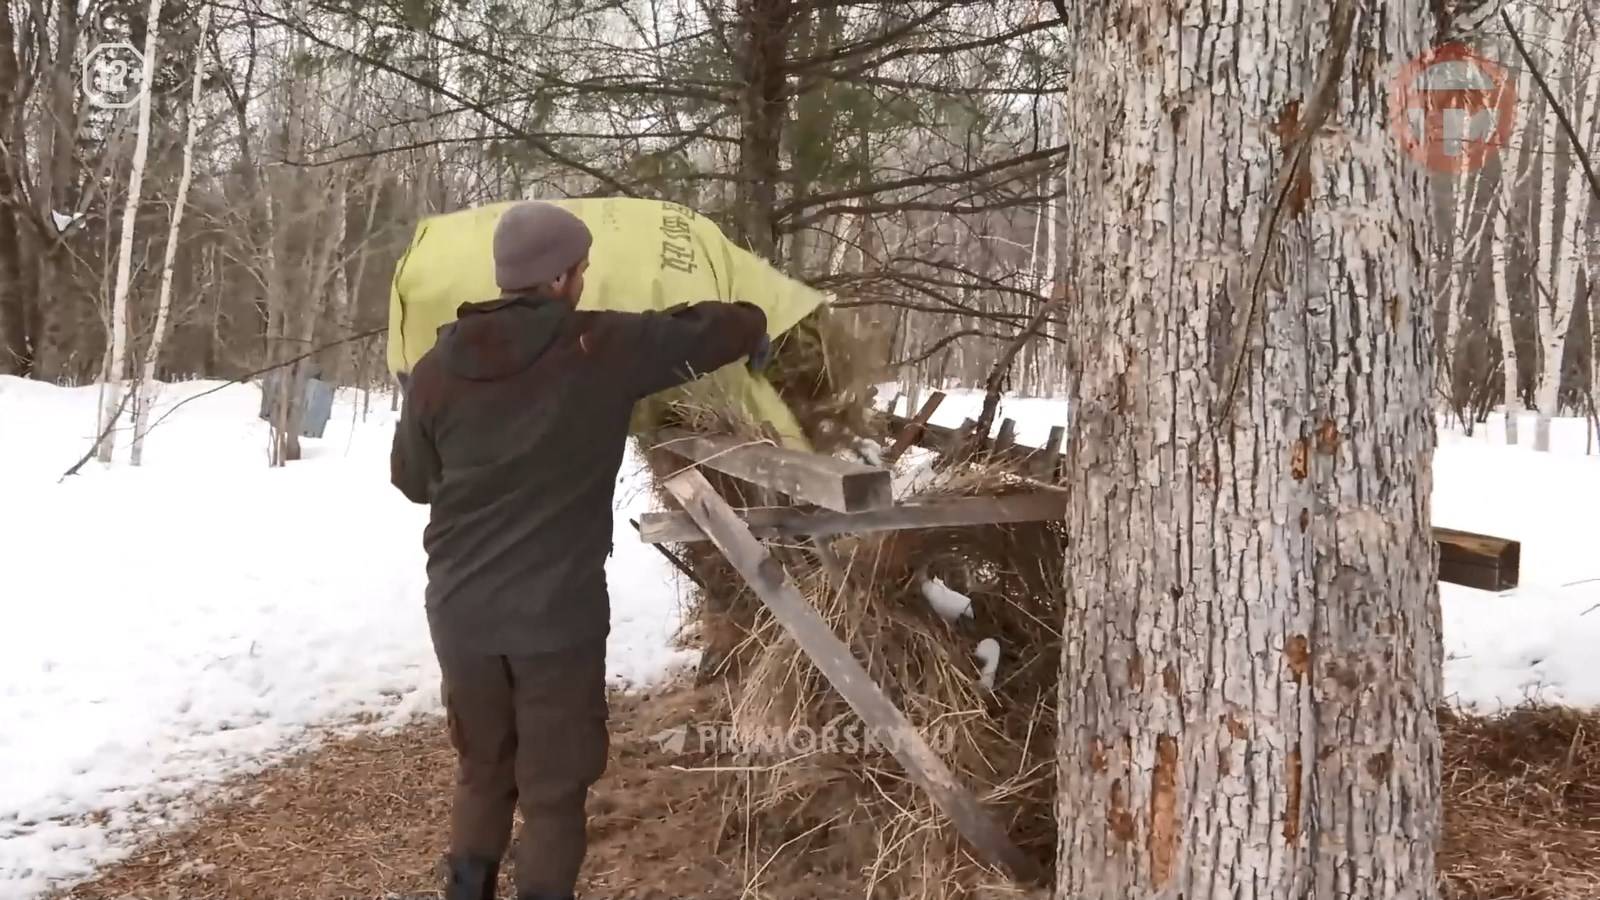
column 513, row 429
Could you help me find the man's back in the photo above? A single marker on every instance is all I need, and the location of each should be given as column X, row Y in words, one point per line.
column 514, row 430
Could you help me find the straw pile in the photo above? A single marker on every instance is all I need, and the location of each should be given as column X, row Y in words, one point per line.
column 814, row 783
column 1522, row 805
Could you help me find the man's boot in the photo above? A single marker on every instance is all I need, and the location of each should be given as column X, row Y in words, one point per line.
column 471, row 879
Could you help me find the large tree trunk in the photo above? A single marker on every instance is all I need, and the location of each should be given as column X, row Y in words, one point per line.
column 1252, row 643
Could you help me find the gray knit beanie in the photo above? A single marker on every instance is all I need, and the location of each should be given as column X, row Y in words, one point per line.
column 535, row 243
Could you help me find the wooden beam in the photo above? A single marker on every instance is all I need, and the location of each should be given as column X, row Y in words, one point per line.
column 834, row 660
column 911, row 431
column 788, row 523
column 1006, row 439
column 1478, row 560
column 1049, row 461
column 808, row 477
column 960, row 439
column 677, row 563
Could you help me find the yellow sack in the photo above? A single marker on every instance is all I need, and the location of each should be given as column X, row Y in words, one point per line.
column 647, row 255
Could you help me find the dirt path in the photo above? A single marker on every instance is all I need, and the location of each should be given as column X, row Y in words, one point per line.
column 364, row 817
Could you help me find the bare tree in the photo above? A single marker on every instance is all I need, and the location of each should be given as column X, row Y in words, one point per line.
column 145, row 386
column 116, row 359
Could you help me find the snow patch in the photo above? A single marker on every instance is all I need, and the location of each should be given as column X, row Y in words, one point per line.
column 173, row 626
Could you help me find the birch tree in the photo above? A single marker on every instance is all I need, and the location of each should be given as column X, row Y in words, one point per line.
column 1515, row 164
column 1562, row 241
column 145, row 387
column 117, row 352
column 1252, row 651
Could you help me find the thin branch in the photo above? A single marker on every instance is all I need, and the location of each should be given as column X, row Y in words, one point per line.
column 1297, row 167
column 1578, row 148
column 237, row 379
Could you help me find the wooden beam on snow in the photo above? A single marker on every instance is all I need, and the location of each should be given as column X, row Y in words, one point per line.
column 808, row 477
column 787, row 523
column 1478, row 560
column 834, row 660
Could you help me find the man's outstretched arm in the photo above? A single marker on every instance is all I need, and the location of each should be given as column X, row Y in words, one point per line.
column 413, row 462
column 690, row 341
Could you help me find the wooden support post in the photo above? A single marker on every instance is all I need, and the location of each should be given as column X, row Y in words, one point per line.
column 956, row 450
column 834, row 660
column 1006, row 439
column 808, row 477
column 1478, row 560
column 1050, row 457
column 788, row 524
column 913, row 430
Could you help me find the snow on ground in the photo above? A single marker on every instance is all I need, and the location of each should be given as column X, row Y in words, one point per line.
column 169, row 626
column 1536, row 642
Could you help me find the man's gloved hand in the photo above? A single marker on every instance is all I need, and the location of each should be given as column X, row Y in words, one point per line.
column 762, row 354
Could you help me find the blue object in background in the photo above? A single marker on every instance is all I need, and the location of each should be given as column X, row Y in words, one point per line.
column 318, row 400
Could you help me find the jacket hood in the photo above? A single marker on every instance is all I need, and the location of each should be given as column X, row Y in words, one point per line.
column 498, row 339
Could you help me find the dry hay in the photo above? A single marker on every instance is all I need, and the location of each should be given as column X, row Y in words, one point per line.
column 847, row 801
column 825, row 372
column 848, row 805
column 1521, row 805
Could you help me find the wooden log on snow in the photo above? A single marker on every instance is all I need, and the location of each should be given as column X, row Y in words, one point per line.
column 787, row 523
column 1478, row 560
column 808, row 477
column 834, row 660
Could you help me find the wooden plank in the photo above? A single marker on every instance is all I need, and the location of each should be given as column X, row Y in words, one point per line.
column 836, row 484
column 912, row 430
column 1478, row 560
column 834, row 660
column 677, row 563
column 1049, row 461
column 960, row 439
column 788, row 523
column 1006, row 439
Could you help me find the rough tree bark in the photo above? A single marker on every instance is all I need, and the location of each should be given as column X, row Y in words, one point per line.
column 1252, row 643
column 117, row 345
